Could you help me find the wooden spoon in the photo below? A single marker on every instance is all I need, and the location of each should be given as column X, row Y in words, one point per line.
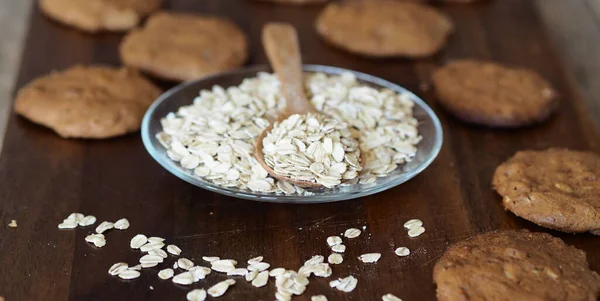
column 281, row 44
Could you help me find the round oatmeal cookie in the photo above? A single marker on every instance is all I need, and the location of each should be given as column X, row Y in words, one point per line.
column 493, row 95
column 384, row 28
column 88, row 102
column 554, row 188
column 514, row 265
column 178, row 46
column 99, row 15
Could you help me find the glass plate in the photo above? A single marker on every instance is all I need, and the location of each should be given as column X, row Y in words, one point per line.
column 184, row 94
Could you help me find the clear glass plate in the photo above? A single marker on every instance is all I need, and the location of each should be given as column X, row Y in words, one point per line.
column 184, row 94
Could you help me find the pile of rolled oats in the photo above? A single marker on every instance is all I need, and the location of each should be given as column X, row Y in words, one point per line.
column 215, row 136
column 312, row 148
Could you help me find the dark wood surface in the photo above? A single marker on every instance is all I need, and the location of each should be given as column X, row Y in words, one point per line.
column 44, row 178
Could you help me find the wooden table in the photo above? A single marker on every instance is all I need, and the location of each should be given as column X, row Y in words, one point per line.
column 43, row 178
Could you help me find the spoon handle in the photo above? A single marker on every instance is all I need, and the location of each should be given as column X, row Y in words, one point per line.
column 280, row 41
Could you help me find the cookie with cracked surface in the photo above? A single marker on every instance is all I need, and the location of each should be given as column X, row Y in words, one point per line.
column 87, row 102
column 514, row 265
column 180, row 47
column 493, row 95
column 99, row 15
column 384, row 28
column 554, row 188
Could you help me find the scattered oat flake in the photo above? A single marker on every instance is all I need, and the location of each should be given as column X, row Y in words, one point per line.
column 158, row 252
column 237, row 272
column 104, row 226
column 137, row 267
column 129, row 274
column 334, row 283
column 196, row 295
column 97, row 239
column 276, row 272
column 370, row 257
column 199, row 272
column 12, row 224
column 347, row 284
column 174, row 250
column 251, row 275
column 318, row 298
column 121, row 224
column 314, row 260
column 166, row 274
column 414, row 232
column 334, row 240
column 68, row 224
column 261, row 279
column 185, row 278
column 259, row 266
column 210, row 258
column 341, row 248
column 402, row 251
column 149, row 265
column 78, row 217
column 185, row 263
column 390, row 297
column 223, row 265
column 413, row 223
column 219, row 289
column 151, row 259
column 335, row 258
column 88, row 221
column 155, row 239
column 175, row 266
column 138, row 241
column 117, row 268
column 352, row 233
column 255, row 260
column 152, row 246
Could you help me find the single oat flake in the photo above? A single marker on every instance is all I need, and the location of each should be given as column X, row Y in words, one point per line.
column 339, row 248
column 129, row 274
column 104, row 226
column 68, row 224
column 117, row 268
column 413, row 223
column 370, row 257
column 97, row 239
column 318, row 298
column 174, row 250
column 220, row 288
column 88, row 221
column 12, row 224
column 352, row 233
column 414, row 232
column 138, row 241
column 185, row 263
column 196, row 295
column 121, row 224
column 335, row 258
column 261, row 279
column 347, row 284
column 334, row 240
column 390, row 297
column 210, row 258
column 185, row 278
column 402, row 251
column 166, row 274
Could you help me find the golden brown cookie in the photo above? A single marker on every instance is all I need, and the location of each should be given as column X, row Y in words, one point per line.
column 554, row 188
column 182, row 47
column 515, row 265
column 490, row 94
column 88, row 102
column 99, row 15
column 384, row 28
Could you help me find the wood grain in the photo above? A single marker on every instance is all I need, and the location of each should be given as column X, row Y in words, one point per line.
column 44, row 178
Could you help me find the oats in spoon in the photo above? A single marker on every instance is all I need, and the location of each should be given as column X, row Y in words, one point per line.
column 312, row 147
